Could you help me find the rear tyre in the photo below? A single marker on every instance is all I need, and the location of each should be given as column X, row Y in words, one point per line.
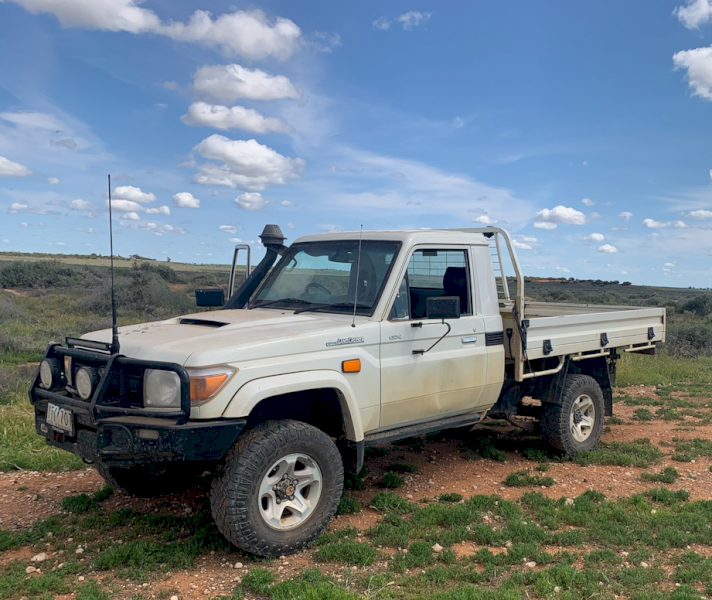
column 277, row 488
column 576, row 424
column 147, row 481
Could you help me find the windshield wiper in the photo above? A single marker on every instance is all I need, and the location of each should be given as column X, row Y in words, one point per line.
column 325, row 306
column 286, row 300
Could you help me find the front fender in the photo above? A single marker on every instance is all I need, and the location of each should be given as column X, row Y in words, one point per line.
column 253, row 392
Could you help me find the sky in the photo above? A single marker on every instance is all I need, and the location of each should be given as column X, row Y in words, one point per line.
column 583, row 128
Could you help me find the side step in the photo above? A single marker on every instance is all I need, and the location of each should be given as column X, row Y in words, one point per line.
column 422, row 428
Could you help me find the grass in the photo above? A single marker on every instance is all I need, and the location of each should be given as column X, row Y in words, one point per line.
column 642, row 414
column 638, row 453
column 526, row 479
column 84, row 503
column 390, row 481
column 402, row 468
column 689, row 450
column 668, row 475
column 634, row 369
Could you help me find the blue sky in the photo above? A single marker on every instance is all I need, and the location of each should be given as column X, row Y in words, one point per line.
column 582, row 128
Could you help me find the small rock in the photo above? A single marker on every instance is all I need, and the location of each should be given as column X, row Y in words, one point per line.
column 79, row 550
column 174, row 597
column 569, row 502
column 437, row 547
column 239, row 565
column 431, row 482
column 81, row 578
column 409, row 496
column 508, row 544
column 653, row 512
column 29, row 570
column 531, row 564
column 557, row 589
column 354, row 568
column 41, row 557
column 624, row 553
column 644, row 565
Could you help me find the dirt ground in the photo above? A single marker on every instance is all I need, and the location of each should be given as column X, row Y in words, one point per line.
column 28, row 496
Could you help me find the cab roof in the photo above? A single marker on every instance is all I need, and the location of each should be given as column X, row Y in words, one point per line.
column 471, row 237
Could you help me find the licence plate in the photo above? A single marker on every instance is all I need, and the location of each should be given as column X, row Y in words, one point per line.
column 60, row 418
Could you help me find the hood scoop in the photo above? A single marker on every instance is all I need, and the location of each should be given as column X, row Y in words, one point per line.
column 202, row 323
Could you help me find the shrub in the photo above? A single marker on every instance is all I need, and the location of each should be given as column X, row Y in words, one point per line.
column 45, row 274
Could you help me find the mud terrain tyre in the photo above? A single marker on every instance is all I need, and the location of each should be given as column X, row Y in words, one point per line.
column 576, row 424
column 277, row 488
column 147, row 481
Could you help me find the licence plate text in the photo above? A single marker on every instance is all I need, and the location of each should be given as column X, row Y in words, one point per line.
column 60, row 418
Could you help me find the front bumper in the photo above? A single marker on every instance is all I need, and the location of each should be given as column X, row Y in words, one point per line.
column 113, row 427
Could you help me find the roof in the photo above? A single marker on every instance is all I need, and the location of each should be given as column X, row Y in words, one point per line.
column 407, row 237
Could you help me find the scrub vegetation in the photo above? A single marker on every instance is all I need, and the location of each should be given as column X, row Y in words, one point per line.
column 533, row 540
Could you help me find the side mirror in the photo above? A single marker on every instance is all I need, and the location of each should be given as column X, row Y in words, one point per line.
column 210, row 297
column 442, row 307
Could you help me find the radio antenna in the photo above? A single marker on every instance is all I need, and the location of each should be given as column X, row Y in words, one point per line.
column 358, row 274
column 114, row 326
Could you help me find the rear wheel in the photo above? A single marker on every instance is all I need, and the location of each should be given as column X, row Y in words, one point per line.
column 277, row 488
column 576, row 424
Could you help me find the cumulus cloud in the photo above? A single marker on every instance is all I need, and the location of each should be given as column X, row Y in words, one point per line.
column 291, row 226
column 626, row 215
column 524, row 242
column 288, row 203
column 698, row 63
column 160, row 210
column 699, row 214
column 131, row 216
column 694, row 13
column 227, row 83
column 669, row 265
column 559, row 215
column 53, row 181
column 246, row 164
column 653, row 224
column 251, row 201
column 228, row 229
column 125, row 205
column 134, row 194
column 407, row 20
column 9, row 168
column 330, row 228
column 16, row 207
column 588, row 202
column 484, row 220
column 185, row 200
column 680, row 225
column 594, row 237
column 607, row 249
column 236, row 117
column 245, row 33
column 81, row 205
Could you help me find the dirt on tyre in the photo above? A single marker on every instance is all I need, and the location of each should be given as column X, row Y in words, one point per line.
column 576, row 424
column 277, row 488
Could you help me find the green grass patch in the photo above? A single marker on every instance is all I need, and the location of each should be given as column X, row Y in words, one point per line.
column 347, row 552
column 402, row 468
column 451, row 498
column 614, row 421
column 411, row 444
column 667, row 475
column 689, row 450
column 666, row 496
column 348, row 505
column 642, row 414
column 638, row 369
column 481, row 443
column 84, row 502
column 525, row 479
column 638, row 453
column 390, row 481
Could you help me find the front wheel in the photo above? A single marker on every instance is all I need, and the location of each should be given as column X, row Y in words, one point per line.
column 576, row 424
column 277, row 488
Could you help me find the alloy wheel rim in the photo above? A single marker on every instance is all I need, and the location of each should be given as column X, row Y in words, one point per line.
column 582, row 418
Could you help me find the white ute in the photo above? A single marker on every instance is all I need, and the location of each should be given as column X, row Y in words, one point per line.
column 348, row 340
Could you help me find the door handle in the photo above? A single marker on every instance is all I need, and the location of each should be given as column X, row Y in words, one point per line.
column 470, row 339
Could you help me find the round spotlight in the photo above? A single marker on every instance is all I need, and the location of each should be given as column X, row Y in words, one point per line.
column 84, row 380
column 50, row 373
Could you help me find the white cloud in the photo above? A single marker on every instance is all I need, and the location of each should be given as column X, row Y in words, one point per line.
column 698, row 63
column 653, row 224
column 288, row 203
column 291, row 226
column 247, row 164
column 228, row 229
column 131, row 216
column 407, row 20
column 9, row 168
column 607, row 249
column 251, row 201
column 588, row 202
column 485, row 220
column 227, row 83
column 134, row 194
column 680, row 225
column 185, row 200
column 67, row 143
column 699, row 214
column 246, row 33
column 521, row 245
column 160, row 210
column 626, row 215
column 125, row 205
column 594, row 237
column 695, row 13
column 16, row 207
column 237, row 117
column 559, row 215
column 669, row 265
column 82, row 205
column 33, row 119
column 53, row 181
column 330, row 228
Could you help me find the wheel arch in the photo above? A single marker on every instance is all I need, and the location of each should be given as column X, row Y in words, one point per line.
column 299, row 396
column 599, row 368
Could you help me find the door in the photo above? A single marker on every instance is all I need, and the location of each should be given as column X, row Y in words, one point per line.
column 448, row 378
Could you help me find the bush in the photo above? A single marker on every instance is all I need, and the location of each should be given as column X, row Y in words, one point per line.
column 45, row 274
column 688, row 340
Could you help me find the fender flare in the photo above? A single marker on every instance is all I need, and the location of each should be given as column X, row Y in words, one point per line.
column 253, row 392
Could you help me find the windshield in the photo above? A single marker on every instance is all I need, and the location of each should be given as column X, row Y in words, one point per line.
column 329, row 276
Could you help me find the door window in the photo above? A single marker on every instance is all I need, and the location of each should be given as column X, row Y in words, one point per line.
column 433, row 273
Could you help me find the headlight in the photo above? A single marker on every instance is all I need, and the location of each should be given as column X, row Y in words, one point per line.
column 85, row 380
column 205, row 383
column 50, row 373
column 161, row 389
